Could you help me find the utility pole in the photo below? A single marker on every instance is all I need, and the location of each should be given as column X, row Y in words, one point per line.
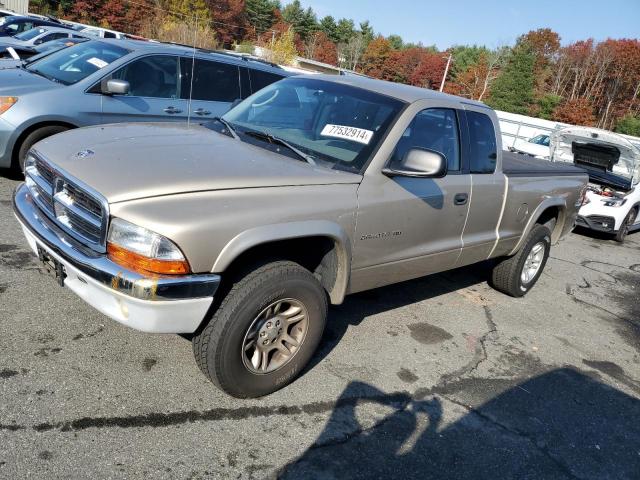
column 446, row 70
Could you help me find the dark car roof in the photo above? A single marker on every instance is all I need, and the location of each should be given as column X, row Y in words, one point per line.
column 36, row 21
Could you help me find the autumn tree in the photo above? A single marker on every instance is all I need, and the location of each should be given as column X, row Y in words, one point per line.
column 319, row 47
column 576, row 112
column 374, row 58
column 512, row 91
column 229, row 20
column 283, row 50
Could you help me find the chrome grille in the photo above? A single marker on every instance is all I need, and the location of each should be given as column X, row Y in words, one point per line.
column 74, row 207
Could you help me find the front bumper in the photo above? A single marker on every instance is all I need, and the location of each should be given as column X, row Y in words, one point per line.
column 162, row 304
column 600, row 223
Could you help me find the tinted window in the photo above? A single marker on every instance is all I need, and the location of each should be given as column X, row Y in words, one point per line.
column 109, row 35
column 212, row 81
column 51, row 36
column 30, row 34
column 154, row 76
column 482, row 140
column 434, row 129
column 260, row 79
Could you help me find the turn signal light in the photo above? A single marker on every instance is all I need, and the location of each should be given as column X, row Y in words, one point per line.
column 145, row 265
column 6, row 103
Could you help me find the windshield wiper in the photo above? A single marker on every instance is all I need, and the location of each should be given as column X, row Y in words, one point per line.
column 279, row 141
column 226, row 124
column 43, row 75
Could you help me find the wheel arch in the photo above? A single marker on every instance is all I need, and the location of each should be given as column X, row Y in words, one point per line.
column 322, row 246
column 552, row 212
column 32, row 128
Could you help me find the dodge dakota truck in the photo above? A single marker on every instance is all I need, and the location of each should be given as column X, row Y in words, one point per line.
column 241, row 231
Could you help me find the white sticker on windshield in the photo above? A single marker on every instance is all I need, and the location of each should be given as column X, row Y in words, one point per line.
column 97, row 62
column 354, row 134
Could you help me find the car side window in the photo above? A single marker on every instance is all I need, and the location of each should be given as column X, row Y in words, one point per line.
column 154, row 76
column 109, row 35
column 260, row 79
column 50, row 37
column 212, row 81
column 433, row 129
column 482, row 140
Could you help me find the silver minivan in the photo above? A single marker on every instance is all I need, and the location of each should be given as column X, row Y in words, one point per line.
column 111, row 81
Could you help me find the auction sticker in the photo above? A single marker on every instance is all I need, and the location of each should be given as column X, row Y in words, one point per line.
column 97, row 62
column 354, row 134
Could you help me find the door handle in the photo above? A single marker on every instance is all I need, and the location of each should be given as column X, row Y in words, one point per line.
column 172, row 110
column 202, row 111
column 460, row 199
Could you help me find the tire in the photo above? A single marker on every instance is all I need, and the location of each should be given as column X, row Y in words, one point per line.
column 33, row 138
column 219, row 346
column 507, row 275
column 622, row 233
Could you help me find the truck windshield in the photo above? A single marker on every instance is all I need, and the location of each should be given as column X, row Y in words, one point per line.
column 70, row 65
column 336, row 125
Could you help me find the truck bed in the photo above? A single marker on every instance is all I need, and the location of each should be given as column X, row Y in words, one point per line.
column 519, row 165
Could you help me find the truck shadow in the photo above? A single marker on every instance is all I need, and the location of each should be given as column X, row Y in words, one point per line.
column 359, row 306
column 561, row 424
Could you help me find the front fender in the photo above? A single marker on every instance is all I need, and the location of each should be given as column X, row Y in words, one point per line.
column 289, row 231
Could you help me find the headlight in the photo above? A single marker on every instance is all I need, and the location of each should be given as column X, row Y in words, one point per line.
column 614, row 202
column 6, row 103
column 143, row 250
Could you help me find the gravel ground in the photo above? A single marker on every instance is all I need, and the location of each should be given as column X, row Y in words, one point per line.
column 438, row 377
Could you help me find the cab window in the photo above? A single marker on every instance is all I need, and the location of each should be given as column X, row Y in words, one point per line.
column 212, row 81
column 432, row 129
column 482, row 143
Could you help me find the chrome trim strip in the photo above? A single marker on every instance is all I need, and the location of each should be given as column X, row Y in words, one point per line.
column 65, row 200
column 99, row 267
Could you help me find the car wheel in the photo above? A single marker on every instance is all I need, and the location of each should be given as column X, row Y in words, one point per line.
column 622, row 233
column 33, row 138
column 264, row 332
column 516, row 275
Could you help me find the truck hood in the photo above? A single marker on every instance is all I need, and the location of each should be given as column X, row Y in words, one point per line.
column 131, row 161
column 17, row 81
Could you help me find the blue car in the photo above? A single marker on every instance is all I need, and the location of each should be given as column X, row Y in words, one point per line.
column 112, row 81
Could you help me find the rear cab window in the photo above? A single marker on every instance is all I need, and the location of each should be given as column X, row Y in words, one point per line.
column 482, row 143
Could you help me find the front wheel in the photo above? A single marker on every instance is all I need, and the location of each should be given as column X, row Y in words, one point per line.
column 516, row 275
column 33, row 138
column 630, row 219
column 264, row 332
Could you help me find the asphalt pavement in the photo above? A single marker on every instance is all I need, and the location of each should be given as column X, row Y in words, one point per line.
column 441, row 377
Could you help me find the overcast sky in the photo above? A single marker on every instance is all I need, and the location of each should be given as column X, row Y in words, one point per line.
column 487, row 22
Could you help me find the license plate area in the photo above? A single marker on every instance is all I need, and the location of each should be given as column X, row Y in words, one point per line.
column 52, row 265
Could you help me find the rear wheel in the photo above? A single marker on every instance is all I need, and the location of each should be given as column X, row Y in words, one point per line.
column 516, row 275
column 33, row 138
column 264, row 332
column 626, row 225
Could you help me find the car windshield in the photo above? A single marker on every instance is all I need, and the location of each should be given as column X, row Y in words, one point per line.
column 540, row 140
column 338, row 126
column 69, row 66
column 30, row 34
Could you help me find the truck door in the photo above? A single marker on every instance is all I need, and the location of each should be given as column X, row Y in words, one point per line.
column 487, row 187
column 409, row 227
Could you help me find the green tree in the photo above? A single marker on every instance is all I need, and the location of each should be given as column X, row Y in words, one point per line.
column 330, row 28
column 304, row 22
column 366, row 30
column 262, row 14
column 547, row 104
column 512, row 91
column 345, row 30
column 395, row 41
column 629, row 125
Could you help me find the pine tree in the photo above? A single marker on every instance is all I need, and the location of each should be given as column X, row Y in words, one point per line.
column 261, row 14
column 512, row 91
column 330, row 28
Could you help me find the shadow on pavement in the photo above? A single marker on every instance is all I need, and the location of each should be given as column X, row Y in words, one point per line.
column 562, row 424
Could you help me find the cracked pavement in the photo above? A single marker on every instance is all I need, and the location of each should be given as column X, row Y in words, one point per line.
column 441, row 377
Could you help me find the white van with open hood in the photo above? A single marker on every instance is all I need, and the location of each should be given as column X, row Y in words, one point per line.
column 613, row 164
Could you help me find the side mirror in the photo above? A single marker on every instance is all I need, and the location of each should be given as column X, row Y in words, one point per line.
column 116, row 87
column 235, row 103
column 420, row 162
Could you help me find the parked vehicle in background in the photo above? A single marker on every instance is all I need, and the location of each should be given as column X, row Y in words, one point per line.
column 37, row 36
column 537, row 146
column 613, row 165
column 33, row 54
column 111, row 81
column 311, row 189
column 7, row 13
column 99, row 32
column 11, row 26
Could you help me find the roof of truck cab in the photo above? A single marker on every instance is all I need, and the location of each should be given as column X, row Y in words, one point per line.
column 405, row 93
